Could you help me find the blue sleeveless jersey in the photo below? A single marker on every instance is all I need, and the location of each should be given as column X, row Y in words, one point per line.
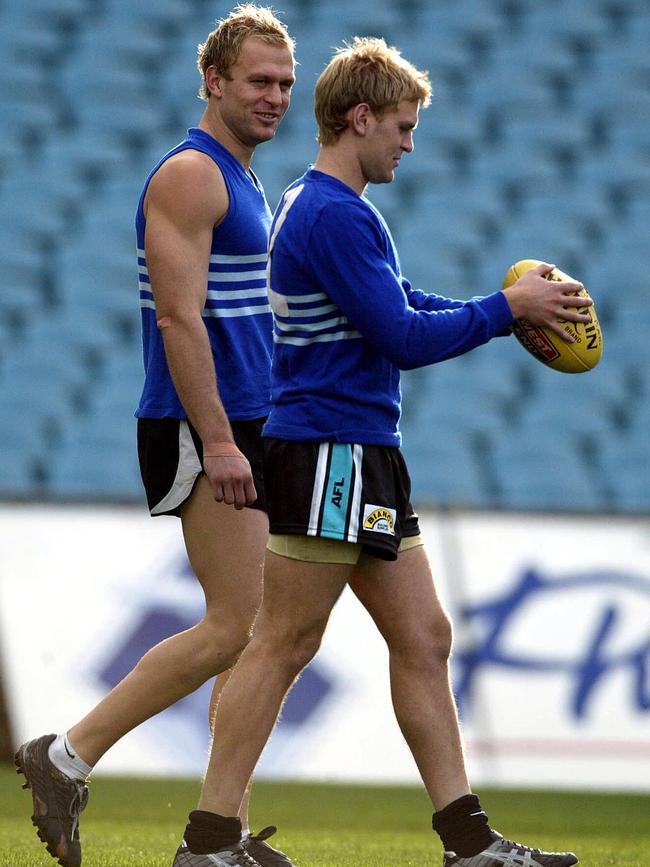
column 237, row 314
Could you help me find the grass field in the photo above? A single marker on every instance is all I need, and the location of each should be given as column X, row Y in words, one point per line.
column 138, row 823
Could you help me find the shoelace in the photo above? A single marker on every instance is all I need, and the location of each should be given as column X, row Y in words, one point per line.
column 261, row 837
column 521, row 846
column 241, row 857
column 264, row 834
column 237, row 856
column 77, row 805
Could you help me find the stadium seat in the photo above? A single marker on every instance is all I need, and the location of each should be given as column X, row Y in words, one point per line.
column 166, row 15
column 543, row 475
column 22, row 278
column 63, row 13
column 456, row 20
column 573, row 23
column 445, row 471
column 18, row 473
column 452, row 401
column 624, row 465
column 91, row 469
column 31, row 36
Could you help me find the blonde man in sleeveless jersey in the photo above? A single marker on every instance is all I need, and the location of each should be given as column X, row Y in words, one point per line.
column 202, row 229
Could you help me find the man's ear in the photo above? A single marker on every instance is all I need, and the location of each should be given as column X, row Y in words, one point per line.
column 213, row 79
column 359, row 117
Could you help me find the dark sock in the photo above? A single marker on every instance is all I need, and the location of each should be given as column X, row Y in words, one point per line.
column 209, row 832
column 463, row 827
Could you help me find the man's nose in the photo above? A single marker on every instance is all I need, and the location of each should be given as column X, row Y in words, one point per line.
column 273, row 94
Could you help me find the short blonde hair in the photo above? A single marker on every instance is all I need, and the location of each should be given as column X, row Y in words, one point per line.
column 367, row 71
column 223, row 45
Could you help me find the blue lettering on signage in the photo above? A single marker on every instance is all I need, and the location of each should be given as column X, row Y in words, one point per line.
column 586, row 670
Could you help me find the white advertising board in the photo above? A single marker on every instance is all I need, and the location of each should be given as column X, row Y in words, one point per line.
column 551, row 664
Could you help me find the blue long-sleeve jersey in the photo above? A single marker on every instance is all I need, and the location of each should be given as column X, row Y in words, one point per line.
column 346, row 320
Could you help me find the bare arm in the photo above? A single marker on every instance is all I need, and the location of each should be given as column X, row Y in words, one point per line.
column 186, row 198
column 543, row 301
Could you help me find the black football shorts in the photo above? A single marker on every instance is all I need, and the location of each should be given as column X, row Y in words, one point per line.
column 171, row 459
column 355, row 493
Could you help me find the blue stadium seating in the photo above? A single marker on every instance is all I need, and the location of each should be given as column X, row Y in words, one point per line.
column 536, row 145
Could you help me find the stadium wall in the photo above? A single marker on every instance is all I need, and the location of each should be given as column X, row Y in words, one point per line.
column 551, row 662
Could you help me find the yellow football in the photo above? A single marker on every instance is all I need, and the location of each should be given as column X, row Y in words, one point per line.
column 546, row 346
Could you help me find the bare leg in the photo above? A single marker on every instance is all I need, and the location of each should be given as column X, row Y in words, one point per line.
column 226, row 550
column 219, row 684
column 401, row 598
column 298, row 599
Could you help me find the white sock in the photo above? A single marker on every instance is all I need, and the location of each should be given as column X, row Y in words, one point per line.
column 65, row 758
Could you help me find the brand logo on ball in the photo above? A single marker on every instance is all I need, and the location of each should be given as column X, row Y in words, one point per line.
column 379, row 519
column 592, row 332
column 535, row 341
column 574, row 329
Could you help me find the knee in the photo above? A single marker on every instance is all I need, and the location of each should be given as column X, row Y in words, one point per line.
column 428, row 645
column 292, row 647
column 223, row 642
column 305, row 646
column 234, row 646
column 442, row 637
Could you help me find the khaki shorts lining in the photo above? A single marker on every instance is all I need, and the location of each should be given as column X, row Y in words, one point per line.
column 316, row 549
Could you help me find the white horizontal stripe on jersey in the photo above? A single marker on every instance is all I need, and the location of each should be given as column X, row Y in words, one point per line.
column 317, row 338
column 233, row 294
column 306, row 299
column 235, row 276
column 259, row 291
column 224, row 312
column 218, row 259
column 142, row 269
column 333, row 322
column 311, row 311
column 220, row 312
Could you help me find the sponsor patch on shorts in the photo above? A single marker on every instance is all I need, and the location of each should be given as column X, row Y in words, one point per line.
column 379, row 519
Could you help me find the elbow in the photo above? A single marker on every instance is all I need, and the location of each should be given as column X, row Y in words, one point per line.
column 168, row 324
column 396, row 356
column 401, row 357
column 404, row 358
column 170, row 319
column 411, row 361
column 407, row 350
column 405, row 362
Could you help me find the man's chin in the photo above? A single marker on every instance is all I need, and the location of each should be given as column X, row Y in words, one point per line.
column 265, row 135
